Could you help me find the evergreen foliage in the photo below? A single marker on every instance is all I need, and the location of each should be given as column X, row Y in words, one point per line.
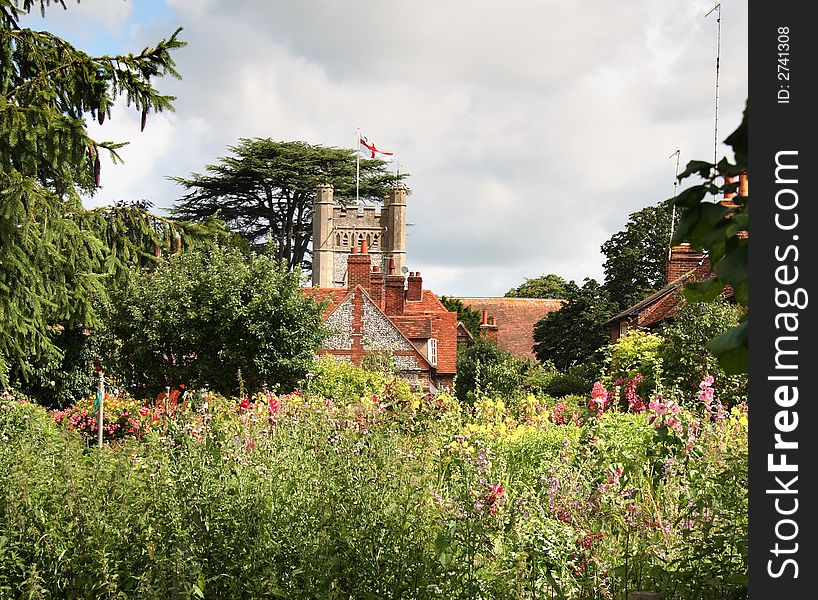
column 56, row 258
column 484, row 369
column 686, row 358
column 265, row 191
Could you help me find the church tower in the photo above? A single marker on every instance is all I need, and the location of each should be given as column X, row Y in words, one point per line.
column 338, row 228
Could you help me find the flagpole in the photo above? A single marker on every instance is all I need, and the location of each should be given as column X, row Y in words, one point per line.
column 101, row 395
column 357, row 165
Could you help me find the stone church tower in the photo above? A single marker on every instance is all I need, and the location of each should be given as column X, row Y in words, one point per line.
column 336, row 229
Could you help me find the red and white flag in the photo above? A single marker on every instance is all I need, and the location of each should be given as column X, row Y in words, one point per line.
column 371, row 150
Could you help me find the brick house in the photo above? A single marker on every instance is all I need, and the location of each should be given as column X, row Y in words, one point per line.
column 510, row 321
column 683, row 265
column 372, row 305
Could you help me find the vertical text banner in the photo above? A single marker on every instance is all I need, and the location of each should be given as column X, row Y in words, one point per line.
column 783, row 301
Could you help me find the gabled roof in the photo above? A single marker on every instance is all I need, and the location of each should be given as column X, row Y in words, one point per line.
column 340, row 296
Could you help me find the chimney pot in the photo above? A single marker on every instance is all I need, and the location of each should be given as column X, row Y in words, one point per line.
column 391, row 265
column 484, row 317
column 364, row 247
column 354, row 250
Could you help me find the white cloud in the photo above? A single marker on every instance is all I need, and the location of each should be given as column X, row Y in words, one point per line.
column 531, row 130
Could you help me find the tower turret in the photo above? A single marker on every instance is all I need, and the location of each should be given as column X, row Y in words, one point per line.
column 323, row 253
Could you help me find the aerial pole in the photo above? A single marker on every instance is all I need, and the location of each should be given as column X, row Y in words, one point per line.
column 717, row 10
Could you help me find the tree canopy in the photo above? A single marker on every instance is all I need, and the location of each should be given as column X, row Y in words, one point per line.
column 55, row 256
column 214, row 319
column 576, row 332
column 544, row 286
column 635, row 257
column 265, row 191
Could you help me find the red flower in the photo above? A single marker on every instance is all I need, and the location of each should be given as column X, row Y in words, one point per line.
column 245, row 402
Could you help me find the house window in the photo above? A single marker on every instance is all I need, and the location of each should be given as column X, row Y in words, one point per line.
column 623, row 328
column 432, row 351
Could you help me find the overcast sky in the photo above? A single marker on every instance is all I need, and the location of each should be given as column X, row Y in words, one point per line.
column 531, row 128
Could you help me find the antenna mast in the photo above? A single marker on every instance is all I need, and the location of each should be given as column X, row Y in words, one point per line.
column 717, row 10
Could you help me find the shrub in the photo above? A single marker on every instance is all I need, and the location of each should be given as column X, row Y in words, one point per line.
column 201, row 317
column 685, row 356
column 635, row 362
column 483, row 369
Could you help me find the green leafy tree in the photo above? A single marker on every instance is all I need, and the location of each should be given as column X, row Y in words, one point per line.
column 576, row 332
column 467, row 315
column 200, row 317
column 635, row 257
column 265, row 191
column 544, row 286
column 721, row 231
column 52, row 266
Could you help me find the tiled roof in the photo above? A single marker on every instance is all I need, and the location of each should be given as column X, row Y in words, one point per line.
column 334, row 295
column 414, row 326
column 662, row 304
column 515, row 319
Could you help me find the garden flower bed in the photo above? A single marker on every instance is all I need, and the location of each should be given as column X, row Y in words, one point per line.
column 384, row 495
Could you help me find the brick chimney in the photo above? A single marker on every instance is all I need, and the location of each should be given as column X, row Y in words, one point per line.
column 358, row 267
column 743, row 184
column 414, row 290
column 681, row 259
column 376, row 285
column 728, row 196
column 488, row 327
column 394, row 296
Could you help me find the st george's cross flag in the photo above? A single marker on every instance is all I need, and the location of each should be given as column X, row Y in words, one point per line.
column 373, row 151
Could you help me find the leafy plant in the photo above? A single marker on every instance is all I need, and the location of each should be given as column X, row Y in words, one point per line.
column 202, row 315
column 721, row 231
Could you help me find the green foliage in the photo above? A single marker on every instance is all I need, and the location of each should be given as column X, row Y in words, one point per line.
column 265, row 191
column 470, row 317
column 483, row 369
column 576, row 380
column 544, row 286
column 639, row 353
column 297, row 497
column 53, row 263
column 200, row 317
column 685, row 356
column 339, row 380
column 635, row 257
column 715, row 228
column 576, row 332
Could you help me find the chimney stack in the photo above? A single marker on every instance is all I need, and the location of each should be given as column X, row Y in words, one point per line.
column 358, row 265
column 681, row 259
column 414, row 290
column 394, row 295
column 376, row 285
column 743, row 184
column 488, row 327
